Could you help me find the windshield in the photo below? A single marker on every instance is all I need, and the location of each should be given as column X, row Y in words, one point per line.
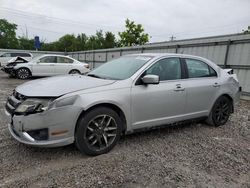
column 121, row 68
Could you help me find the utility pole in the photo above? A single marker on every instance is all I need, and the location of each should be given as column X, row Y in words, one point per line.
column 172, row 38
column 26, row 32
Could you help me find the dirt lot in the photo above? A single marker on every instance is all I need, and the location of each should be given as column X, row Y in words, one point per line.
column 192, row 155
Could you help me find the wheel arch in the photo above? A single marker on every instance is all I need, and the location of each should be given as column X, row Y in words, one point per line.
column 24, row 68
column 227, row 96
column 74, row 69
column 114, row 107
column 231, row 100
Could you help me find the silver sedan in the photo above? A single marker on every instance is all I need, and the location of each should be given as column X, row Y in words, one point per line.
column 130, row 93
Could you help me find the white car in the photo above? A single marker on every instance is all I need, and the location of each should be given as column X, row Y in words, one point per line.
column 47, row 65
column 7, row 56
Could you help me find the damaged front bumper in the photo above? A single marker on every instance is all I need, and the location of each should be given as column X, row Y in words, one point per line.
column 50, row 129
column 9, row 70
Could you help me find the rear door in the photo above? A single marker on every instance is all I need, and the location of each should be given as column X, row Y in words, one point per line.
column 202, row 86
column 64, row 65
column 44, row 66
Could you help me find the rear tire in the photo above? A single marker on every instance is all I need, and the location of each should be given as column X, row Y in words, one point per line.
column 74, row 71
column 98, row 131
column 220, row 112
column 23, row 73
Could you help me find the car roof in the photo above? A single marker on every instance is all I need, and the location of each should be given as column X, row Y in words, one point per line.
column 58, row 55
column 158, row 55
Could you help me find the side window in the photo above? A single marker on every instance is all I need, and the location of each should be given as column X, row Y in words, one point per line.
column 14, row 54
column 212, row 72
column 20, row 54
column 197, row 69
column 64, row 60
column 166, row 69
column 50, row 59
column 25, row 55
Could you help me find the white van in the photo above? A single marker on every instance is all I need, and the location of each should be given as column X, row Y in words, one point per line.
column 5, row 57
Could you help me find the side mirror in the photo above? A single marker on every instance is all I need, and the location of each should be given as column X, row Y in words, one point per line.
column 38, row 61
column 151, row 79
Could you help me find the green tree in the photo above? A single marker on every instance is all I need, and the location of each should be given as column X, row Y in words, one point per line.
column 110, row 41
column 91, row 43
column 100, row 40
column 96, row 41
column 48, row 46
column 66, row 43
column 133, row 35
column 25, row 43
column 246, row 31
column 8, row 37
column 81, row 41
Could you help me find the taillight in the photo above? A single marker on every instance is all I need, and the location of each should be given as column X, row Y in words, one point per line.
column 86, row 66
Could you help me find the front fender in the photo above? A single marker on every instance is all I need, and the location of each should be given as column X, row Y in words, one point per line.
column 117, row 97
column 23, row 65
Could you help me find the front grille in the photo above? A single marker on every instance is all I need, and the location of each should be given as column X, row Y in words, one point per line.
column 13, row 102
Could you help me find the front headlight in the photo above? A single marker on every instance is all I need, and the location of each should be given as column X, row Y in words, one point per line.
column 33, row 106
column 63, row 102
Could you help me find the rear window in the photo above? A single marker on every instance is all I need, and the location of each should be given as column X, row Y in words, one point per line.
column 20, row 54
column 64, row 60
column 197, row 69
column 48, row 59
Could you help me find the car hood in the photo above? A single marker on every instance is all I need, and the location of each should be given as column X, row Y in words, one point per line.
column 59, row 85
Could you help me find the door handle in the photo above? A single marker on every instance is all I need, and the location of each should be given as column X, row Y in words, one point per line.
column 216, row 84
column 179, row 88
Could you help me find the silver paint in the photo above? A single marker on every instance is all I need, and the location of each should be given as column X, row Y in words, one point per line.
column 143, row 105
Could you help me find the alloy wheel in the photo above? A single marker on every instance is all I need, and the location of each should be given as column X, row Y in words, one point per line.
column 221, row 112
column 23, row 73
column 101, row 132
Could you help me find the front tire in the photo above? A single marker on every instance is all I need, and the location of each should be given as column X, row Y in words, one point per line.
column 220, row 112
column 23, row 73
column 98, row 131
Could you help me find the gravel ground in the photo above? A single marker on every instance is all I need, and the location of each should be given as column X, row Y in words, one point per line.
column 191, row 155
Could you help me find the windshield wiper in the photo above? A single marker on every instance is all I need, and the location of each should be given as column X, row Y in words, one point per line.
column 102, row 77
column 95, row 76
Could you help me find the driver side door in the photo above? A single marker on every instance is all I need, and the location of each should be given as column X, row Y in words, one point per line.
column 161, row 103
column 45, row 66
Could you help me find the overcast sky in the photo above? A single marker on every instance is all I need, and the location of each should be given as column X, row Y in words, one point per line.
column 50, row 19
